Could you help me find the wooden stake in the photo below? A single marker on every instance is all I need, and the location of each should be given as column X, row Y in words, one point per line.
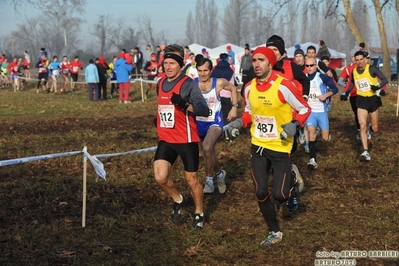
column 142, row 91
column 397, row 103
column 84, row 189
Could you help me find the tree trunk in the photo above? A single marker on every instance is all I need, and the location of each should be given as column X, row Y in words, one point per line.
column 386, row 69
column 351, row 23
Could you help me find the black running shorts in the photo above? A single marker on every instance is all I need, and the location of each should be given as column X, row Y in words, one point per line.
column 370, row 104
column 189, row 153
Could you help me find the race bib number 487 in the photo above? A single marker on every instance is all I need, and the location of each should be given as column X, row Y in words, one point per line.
column 266, row 127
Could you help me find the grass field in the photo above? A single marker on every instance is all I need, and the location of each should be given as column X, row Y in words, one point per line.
column 346, row 204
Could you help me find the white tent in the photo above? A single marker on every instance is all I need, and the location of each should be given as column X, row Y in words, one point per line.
column 197, row 48
column 304, row 46
column 215, row 52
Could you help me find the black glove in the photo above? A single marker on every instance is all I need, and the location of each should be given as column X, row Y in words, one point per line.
column 343, row 97
column 289, row 129
column 231, row 130
column 382, row 93
column 177, row 99
column 374, row 88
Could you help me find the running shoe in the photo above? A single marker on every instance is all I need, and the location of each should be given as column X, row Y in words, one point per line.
column 292, row 202
column 176, row 214
column 272, row 238
column 298, row 178
column 365, row 156
column 209, row 187
column 312, row 164
column 221, row 179
column 301, row 137
column 307, row 148
column 198, row 222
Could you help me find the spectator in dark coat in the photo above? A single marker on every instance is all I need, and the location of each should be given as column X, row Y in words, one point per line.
column 323, row 49
column 102, row 74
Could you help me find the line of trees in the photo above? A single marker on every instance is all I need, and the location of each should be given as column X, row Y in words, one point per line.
column 342, row 24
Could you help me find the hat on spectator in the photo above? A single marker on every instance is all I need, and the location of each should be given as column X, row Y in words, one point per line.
column 299, row 51
column 277, row 42
column 228, row 47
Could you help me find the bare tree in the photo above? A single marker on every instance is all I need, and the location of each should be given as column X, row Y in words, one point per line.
column 56, row 28
column 102, row 31
column 7, row 45
column 236, row 19
column 386, row 69
column 148, row 34
column 202, row 27
column 127, row 39
column 190, row 28
column 260, row 26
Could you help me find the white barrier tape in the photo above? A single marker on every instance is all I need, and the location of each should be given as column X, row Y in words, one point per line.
column 37, row 158
column 98, row 166
column 127, row 153
column 81, row 82
column 393, row 84
column 69, row 81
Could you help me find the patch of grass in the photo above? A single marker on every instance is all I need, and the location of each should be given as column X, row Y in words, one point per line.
column 346, row 204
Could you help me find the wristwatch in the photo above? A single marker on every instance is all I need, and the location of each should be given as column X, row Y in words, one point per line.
column 235, row 105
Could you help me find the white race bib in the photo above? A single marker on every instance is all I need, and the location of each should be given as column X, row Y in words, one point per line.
column 363, row 85
column 211, row 117
column 75, row 69
column 65, row 71
column 167, row 115
column 265, row 127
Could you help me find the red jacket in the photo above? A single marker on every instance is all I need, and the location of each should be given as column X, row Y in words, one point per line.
column 74, row 67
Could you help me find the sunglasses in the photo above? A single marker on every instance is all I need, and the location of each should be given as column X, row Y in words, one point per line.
column 312, row 65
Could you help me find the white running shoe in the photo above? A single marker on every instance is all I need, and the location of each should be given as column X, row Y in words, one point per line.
column 221, row 179
column 312, row 164
column 307, row 148
column 209, row 187
column 299, row 180
column 365, row 156
column 272, row 238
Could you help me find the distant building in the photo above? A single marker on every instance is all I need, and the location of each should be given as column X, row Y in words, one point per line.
column 377, row 51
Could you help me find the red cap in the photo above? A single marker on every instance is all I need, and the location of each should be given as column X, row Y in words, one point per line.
column 228, row 47
column 266, row 52
column 122, row 55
